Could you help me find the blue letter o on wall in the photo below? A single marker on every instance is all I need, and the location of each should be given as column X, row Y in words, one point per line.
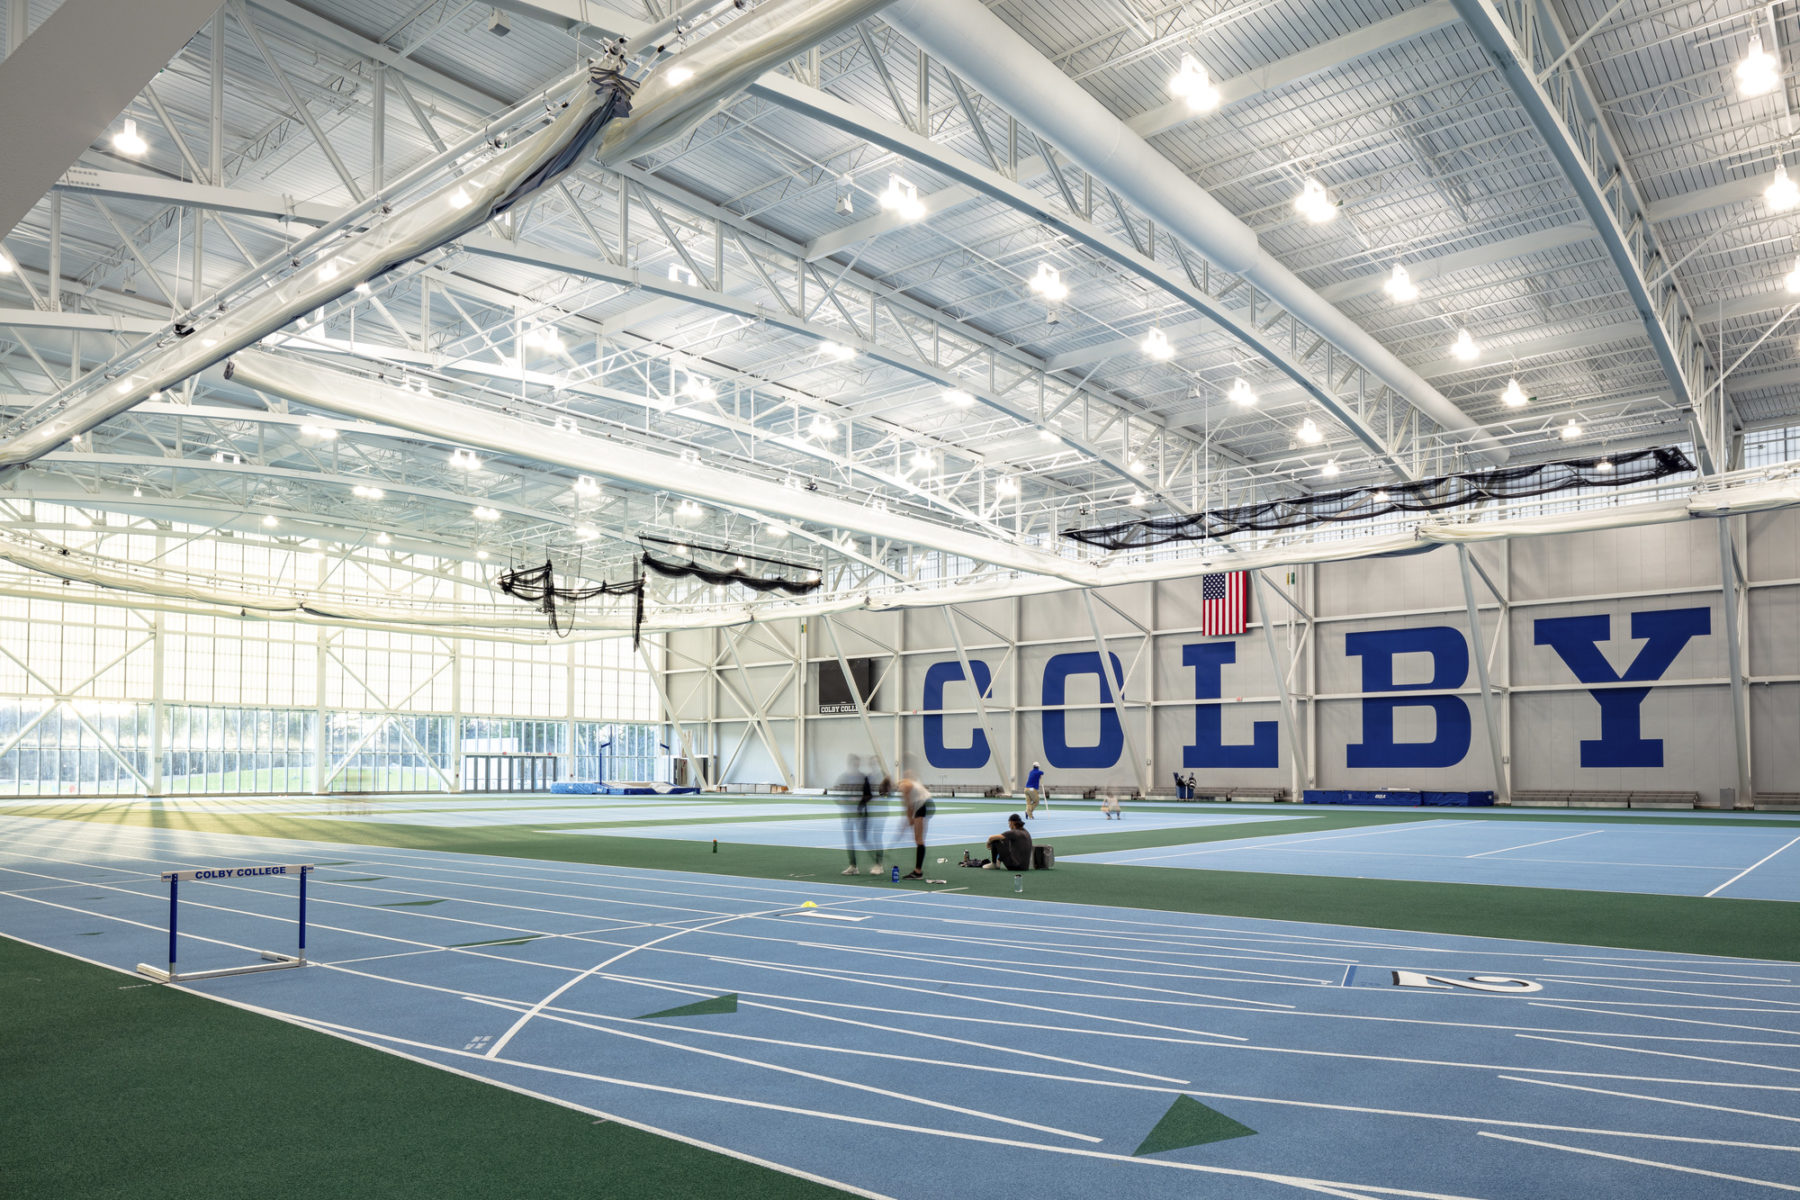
column 1057, row 751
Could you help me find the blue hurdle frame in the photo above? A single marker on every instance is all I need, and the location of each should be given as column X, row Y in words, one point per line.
column 274, row 961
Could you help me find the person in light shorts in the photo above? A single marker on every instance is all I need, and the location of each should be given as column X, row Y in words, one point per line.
column 1034, row 795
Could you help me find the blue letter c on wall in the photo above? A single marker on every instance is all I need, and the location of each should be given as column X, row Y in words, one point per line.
column 950, row 758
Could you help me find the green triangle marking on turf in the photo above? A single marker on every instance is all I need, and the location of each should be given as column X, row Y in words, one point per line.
column 408, row 903
column 1190, row 1123
column 700, row 1008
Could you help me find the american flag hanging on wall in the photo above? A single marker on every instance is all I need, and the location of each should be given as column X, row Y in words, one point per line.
column 1224, row 603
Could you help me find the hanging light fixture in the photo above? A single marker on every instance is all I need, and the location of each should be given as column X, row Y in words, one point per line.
column 822, row 427
column 586, row 485
column 922, row 460
column 1330, row 469
column 697, row 388
column 1156, row 345
column 1192, row 83
column 484, row 513
column 1137, row 500
column 383, row 538
column 902, row 197
column 1315, row 203
column 1605, row 464
column 363, row 491
column 271, row 521
column 1782, row 193
column 1514, row 396
column 838, row 351
column 1048, row 435
column 1309, row 433
column 1571, row 431
column 1760, row 72
column 1007, row 485
column 1464, row 347
column 1793, row 278
column 1048, row 283
column 6, row 263
column 129, row 141
column 775, row 531
column 465, row 460
column 1400, row 286
column 1241, row 393
column 957, row 398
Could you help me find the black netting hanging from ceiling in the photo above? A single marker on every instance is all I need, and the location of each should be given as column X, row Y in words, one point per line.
column 537, row 585
column 682, row 560
column 1424, row 495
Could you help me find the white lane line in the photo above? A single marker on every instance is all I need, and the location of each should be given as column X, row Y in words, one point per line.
column 1575, row 1087
column 1642, row 1162
column 1529, row 845
column 814, row 1076
column 1759, row 862
column 1726, row 1062
column 1267, row 843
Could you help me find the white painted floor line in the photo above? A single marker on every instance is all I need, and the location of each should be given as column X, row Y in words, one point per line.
column 1724, row 1062
column 1608, row 1012
column 1759, row 862
column 1627, row 987
column 1575, row 1087
column 1528, row 845
column 798, row 1073
column 1643, row 1162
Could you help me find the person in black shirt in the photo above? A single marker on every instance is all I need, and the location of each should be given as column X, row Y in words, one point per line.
column 1010, row 851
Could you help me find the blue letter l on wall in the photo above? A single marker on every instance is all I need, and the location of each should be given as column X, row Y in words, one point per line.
column 1664, row 632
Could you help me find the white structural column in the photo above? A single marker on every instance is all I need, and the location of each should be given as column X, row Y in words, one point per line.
column 670, row 714
column 862, row 709
column 1489, row 712
column 1732, row 582
column 995, row 758
column 1115, row 690
column 1297, row 755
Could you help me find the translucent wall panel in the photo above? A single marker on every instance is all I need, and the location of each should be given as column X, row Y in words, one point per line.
column 217, row 660
column 373, row 669
column 73, row 748
column 502, row 679
column 385, row 752
column 48, row 648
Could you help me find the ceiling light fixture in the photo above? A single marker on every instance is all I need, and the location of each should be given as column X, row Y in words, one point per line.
column 1380, row 496
column 1605, row 464
column 586, row 533
column 1782, row 193
column 957, row 398
column 271, row 521
column 1007, row 486
column 1464, row 347
column 129, row 142
column 1315, row 203
column 1330, row 469
column 822, row 427
column 465, row 460
column 923, row 460
column 1760, row 72
column 1309, row 433
column 838, row 351
column 484, row 513
column 1048, row 435
column 363, row 491
column 1400, row 286
column 1241, row 393
column 679, row 75
column 1156, row 345
column 775, row 531
column 1514, row 396
column 1793, row 278
column 902, row 197
column 586, row 486
column 482, row 555
column 1193, row 84
column 363, row 289
column 1136, row 466
column 1137, row 499
column 383, row 538
column 687, row 508
column 1048, row 283
column 544, row 337
column 324, row 433
column 1571, row 431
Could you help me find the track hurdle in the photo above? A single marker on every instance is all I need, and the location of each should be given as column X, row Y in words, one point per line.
column 275, row 961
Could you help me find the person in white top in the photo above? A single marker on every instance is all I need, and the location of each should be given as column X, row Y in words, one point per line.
column 916, row 809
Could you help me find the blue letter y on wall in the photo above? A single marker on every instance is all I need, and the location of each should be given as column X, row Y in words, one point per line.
column 1664, row 632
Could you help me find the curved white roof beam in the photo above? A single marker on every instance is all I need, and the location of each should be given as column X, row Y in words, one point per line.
column 356, row 396
column 979, row 46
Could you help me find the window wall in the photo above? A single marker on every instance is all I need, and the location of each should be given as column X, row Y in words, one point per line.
column 103, row 693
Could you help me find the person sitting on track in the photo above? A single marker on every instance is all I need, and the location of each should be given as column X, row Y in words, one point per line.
column 1011, row 850
column 1109, row 807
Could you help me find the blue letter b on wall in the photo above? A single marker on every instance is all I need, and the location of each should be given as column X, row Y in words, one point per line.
column 975, row 754
column 1106, row 751
column 1449, row 652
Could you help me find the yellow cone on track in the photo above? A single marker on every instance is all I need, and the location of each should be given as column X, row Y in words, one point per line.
column 809, row 904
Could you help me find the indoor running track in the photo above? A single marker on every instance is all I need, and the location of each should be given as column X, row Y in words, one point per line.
column 905, row 1043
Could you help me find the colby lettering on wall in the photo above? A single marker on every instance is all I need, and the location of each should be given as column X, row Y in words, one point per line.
column 1415, row 720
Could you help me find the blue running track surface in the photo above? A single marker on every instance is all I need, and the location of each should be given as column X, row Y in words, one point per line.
column 912, row 1041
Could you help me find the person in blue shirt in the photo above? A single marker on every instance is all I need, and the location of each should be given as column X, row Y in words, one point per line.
column 1034, row 790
